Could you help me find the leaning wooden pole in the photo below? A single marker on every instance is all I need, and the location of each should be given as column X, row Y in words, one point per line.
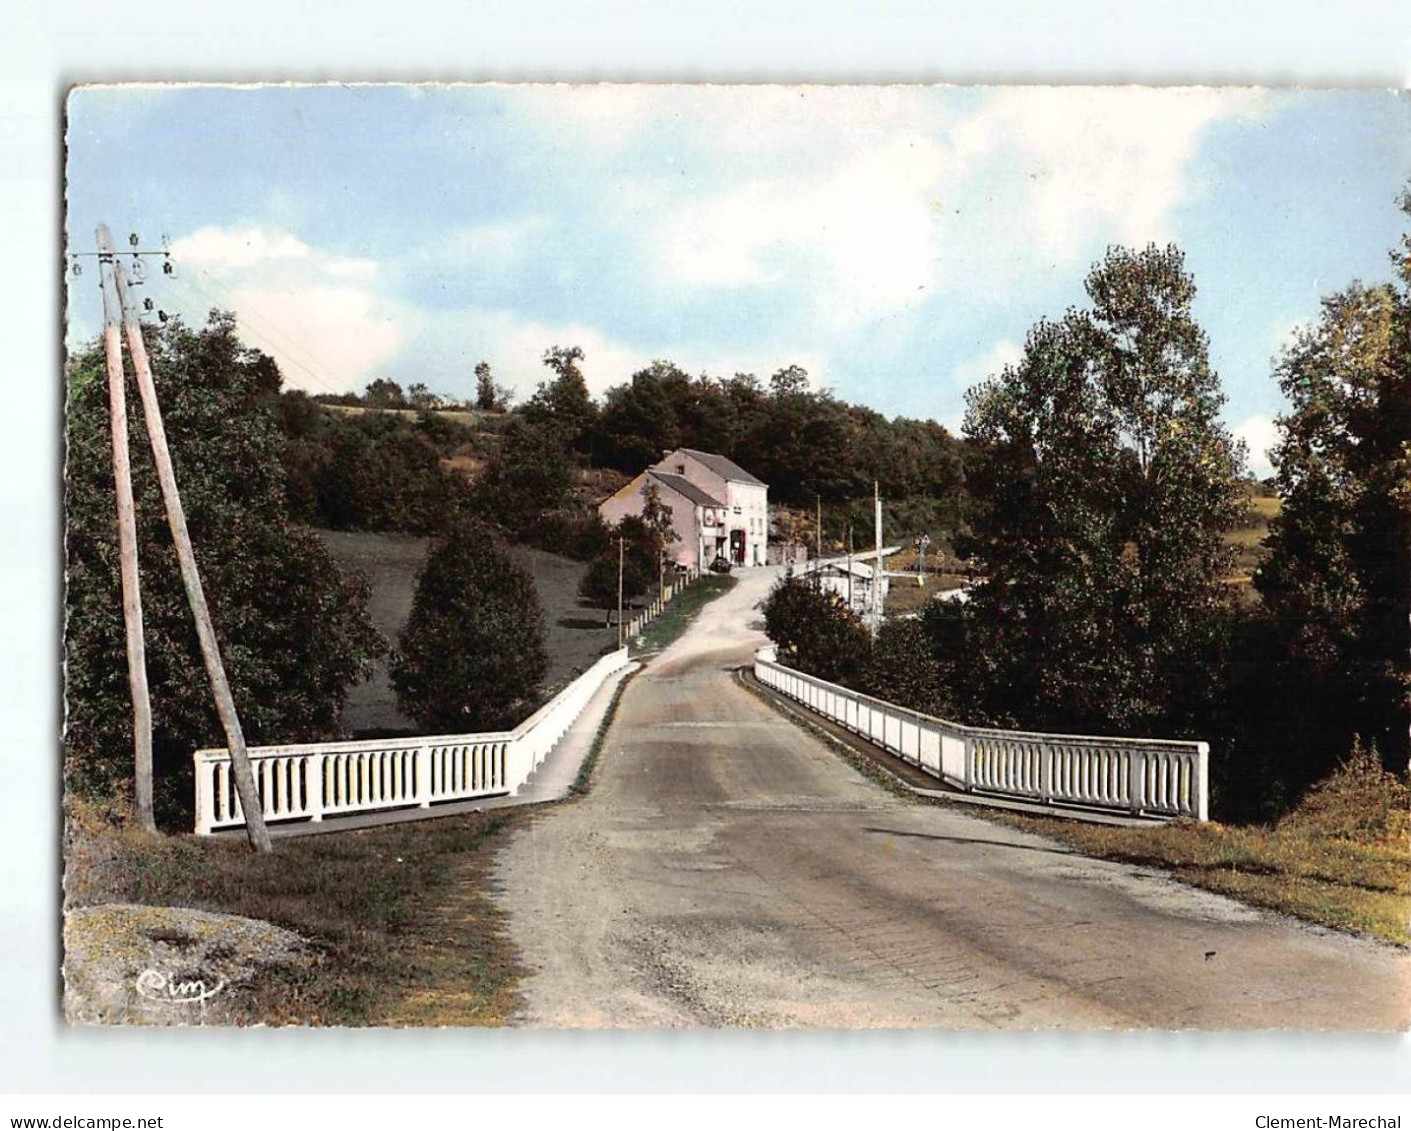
column 127, row 544
column 190, row 575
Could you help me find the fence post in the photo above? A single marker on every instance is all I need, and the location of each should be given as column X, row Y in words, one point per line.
column 423, row 775
column 1202, row 791
column 313, row 786
column 205, row 795
column 969, row 782
column 1136, row 778
column 1046, row 773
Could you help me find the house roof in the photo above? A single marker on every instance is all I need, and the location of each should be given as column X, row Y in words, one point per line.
column 859, row 569
column 683, row 486
column 725, row 468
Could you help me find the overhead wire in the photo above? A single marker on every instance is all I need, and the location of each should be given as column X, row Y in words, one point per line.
column 264, row 327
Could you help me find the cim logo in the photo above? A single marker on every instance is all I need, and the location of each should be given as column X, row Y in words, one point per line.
column 170, row 989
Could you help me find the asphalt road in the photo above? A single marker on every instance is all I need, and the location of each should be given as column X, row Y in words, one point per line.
column 728, row 869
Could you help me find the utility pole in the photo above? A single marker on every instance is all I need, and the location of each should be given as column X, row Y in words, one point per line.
column 877, row 573
column 190, row 576
column 818, row 526
column 619, row 590
column 850, row 608
column 127, row 544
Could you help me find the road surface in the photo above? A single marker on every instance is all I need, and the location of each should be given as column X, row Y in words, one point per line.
column 728, row 869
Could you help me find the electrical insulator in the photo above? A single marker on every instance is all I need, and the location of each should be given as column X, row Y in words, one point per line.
column 147, row 304
column 162, row 316
column 77, row 268
column 167, row 268
column 132, row 239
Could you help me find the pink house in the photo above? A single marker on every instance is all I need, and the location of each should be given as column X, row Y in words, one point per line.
column 717, row 507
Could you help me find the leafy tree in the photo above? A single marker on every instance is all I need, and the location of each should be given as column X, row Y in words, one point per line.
column 656, row 516
column 294, row 632
column 639, row 419
column 383, row 393
column 1103, row 483
column 640, row 560
column 423, row 399
column 791, row 381
column 530, row 476
column 903, row 668
column 1337, row 578
column 565, row 402
column 471, row 656
column 816, row 632
column 489, row 396
column 371, row 472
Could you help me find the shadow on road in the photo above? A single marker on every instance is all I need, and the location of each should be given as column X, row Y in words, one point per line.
column 973, row 840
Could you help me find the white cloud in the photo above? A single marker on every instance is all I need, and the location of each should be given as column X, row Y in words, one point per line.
column 1109, row 164
column 320, row 316
column 1259, row 434
column 497, row 247
column 861, row 243
column 989, row 364
column 225, row 251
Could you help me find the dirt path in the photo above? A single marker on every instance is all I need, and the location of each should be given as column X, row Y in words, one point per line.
column 728, row 869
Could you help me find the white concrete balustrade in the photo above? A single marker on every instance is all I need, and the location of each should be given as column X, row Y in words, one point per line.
column 325, row 779
column 1146, row 776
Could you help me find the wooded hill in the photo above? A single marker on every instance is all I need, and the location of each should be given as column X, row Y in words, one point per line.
column 549, row 460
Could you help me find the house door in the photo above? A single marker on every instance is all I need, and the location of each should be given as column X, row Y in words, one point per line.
column 737, row 547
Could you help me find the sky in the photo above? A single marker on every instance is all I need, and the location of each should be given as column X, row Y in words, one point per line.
column 896, row 241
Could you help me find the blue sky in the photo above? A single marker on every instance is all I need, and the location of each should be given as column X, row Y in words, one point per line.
column 896, row 241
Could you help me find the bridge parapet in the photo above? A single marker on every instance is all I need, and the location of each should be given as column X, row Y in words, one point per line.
column 1143, row 776
column 311, row 781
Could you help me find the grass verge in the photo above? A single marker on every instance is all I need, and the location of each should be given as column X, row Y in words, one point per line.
column 1335, row 883
column 681, row 611
column 400, row 916
column 584, row 779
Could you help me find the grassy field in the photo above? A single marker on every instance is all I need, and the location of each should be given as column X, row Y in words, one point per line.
column 575, row 637
column 400, row 918
column 905, row 597
column 1247, row 540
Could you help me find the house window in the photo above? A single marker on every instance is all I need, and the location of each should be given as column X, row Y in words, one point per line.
column 737, row 510
column 680, row 469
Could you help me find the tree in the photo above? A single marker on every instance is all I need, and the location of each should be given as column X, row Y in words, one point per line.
column 471, row 656
column 639, row 419
column 1337, row 578
column 295, row 634
column 490, row 397
column 656, row 516
column 383, row 393
column 640, row 563
column 530, row 476
column 565, row 402
column 423, row 399
column 902, row 667
column 816, row 632
column 1103, row 483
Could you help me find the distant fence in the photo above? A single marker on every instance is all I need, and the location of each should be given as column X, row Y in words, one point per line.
column 325, row 779
column 658, row 605
column 1144, row 776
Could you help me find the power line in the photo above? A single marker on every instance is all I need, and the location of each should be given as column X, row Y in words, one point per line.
column 273, row 336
